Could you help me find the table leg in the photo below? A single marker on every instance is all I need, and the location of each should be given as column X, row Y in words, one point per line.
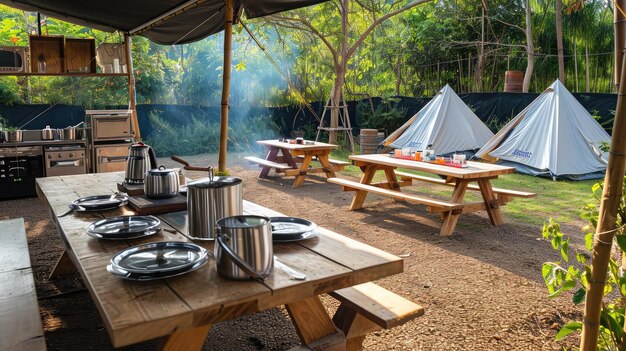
column 289, row 158
column 450, row 218
column 271, row 156
column 304, row 167
column 63, row 266
column 314, row 326
column 392, row 179
column 354, row 326
column 328, row 167
column 188, row 339
column 359, row 195
column 491, row 202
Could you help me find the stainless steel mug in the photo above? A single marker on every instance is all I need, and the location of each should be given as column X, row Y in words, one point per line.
column 210, row 199
column 243, row 247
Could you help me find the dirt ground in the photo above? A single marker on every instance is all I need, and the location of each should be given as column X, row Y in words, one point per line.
column 481, row 287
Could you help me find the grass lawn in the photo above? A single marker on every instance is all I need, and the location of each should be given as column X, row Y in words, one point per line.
column 560, row 200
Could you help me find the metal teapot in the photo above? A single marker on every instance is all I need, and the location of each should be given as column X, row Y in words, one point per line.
column 141, row 158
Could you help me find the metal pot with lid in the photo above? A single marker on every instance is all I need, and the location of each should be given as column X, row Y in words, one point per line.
column 209, row 200
column 161, row 183
column 48, row 133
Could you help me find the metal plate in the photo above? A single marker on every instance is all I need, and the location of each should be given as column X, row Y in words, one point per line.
column 153, row 276
column 124, row 227
column 99, row 202
column 159, row 258
column 291, row 226
column 298, row 237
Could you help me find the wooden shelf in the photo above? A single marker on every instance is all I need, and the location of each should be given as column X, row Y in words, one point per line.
column 71, row 74
column 49, row 49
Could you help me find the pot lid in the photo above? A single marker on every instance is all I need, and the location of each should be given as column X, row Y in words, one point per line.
column 161, row 171
column 217, row 182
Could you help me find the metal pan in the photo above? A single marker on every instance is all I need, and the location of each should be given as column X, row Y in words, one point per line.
column 159, row 258
column 153, row 276
column 99, row 202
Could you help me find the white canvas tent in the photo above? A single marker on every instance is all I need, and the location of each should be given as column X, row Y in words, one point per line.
column 446, row 123
column 553, row 136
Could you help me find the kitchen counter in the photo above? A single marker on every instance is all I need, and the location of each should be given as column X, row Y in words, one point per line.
column 44, row 143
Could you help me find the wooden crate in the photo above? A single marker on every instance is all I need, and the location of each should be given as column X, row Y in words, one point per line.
column 80, row 53
column 49, row 48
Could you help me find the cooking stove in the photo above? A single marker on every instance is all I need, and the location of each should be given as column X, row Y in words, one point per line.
column 65, row 160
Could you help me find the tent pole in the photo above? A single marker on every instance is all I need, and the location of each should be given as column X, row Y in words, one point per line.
column 131, row 86
column 603, row 240
column 228, row 42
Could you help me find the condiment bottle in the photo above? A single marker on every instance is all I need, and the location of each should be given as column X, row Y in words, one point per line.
column 181, row 177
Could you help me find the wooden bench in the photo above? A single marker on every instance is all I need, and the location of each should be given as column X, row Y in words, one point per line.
column 504, row 194
column 20, row 320
column 266, row 163
column 434, row 204
column 368, row 307
column 337, row 164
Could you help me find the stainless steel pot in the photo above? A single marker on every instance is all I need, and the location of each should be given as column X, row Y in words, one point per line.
column 68, row 133
column 12, row 136
column 48, row 133
column 210, row 199
column 244, row 247
column 161, row 183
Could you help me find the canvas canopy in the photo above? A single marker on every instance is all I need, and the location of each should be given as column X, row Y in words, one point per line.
column 446, row 123
column 162, row 21
column 553, row 136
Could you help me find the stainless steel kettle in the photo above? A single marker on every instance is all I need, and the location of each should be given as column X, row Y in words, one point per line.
column 141, row 158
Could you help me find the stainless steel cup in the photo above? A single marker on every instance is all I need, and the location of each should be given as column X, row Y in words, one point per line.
column 243, row 248
column 209, row 200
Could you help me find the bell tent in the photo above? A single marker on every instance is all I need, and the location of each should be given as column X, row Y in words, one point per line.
column 446, row 123
column 554, row 136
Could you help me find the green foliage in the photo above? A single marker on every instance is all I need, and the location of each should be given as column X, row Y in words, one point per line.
column 563, row 277
column 202, row 136
column 386, row 116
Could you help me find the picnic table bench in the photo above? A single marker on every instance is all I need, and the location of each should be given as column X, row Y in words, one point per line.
column 181, row 309
column 20, row 320
column 459, row 178
column 295, row 159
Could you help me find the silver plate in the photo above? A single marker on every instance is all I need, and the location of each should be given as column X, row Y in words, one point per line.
column 124, row 227
column 298, row 237
column 99, row 202
column 153, row 276
column 159, row 258
column 284, row 227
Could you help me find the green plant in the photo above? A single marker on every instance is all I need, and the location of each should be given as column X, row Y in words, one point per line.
column 563, row 276
column 386, row 116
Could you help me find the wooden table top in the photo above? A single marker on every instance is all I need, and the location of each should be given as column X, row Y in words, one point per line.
column 475, row 170
column 283, row 145
column 139, row 311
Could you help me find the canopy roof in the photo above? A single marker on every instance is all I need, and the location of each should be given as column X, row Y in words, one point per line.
column 553, row 136
column 446, row 123
column 162, row 21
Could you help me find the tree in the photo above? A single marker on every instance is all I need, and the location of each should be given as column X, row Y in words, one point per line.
column 345, row 42
column 559, row 39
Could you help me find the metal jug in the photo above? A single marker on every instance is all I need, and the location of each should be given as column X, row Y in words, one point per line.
column 243, row 248
column 141, row 158
column 210, row 199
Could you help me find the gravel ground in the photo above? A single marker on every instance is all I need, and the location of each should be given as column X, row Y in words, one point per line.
column 481, row 287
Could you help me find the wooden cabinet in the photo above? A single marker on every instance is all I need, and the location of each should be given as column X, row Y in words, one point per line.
column 47, row 54
column 58, row 55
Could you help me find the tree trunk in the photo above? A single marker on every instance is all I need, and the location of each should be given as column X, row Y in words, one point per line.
column 530, row 49
column 398, row 74
column 340, row 72
column 575, row 68
column 586, row 68
column 559, row 39
column 480, row 66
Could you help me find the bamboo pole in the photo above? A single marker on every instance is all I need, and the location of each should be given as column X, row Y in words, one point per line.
column 228, row 42
column 619, row 30
column 603, row 240
column 132, row 104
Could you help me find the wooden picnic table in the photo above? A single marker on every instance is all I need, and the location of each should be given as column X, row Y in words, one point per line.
column 284, row 157
column 181, row 309
column 459, row 178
